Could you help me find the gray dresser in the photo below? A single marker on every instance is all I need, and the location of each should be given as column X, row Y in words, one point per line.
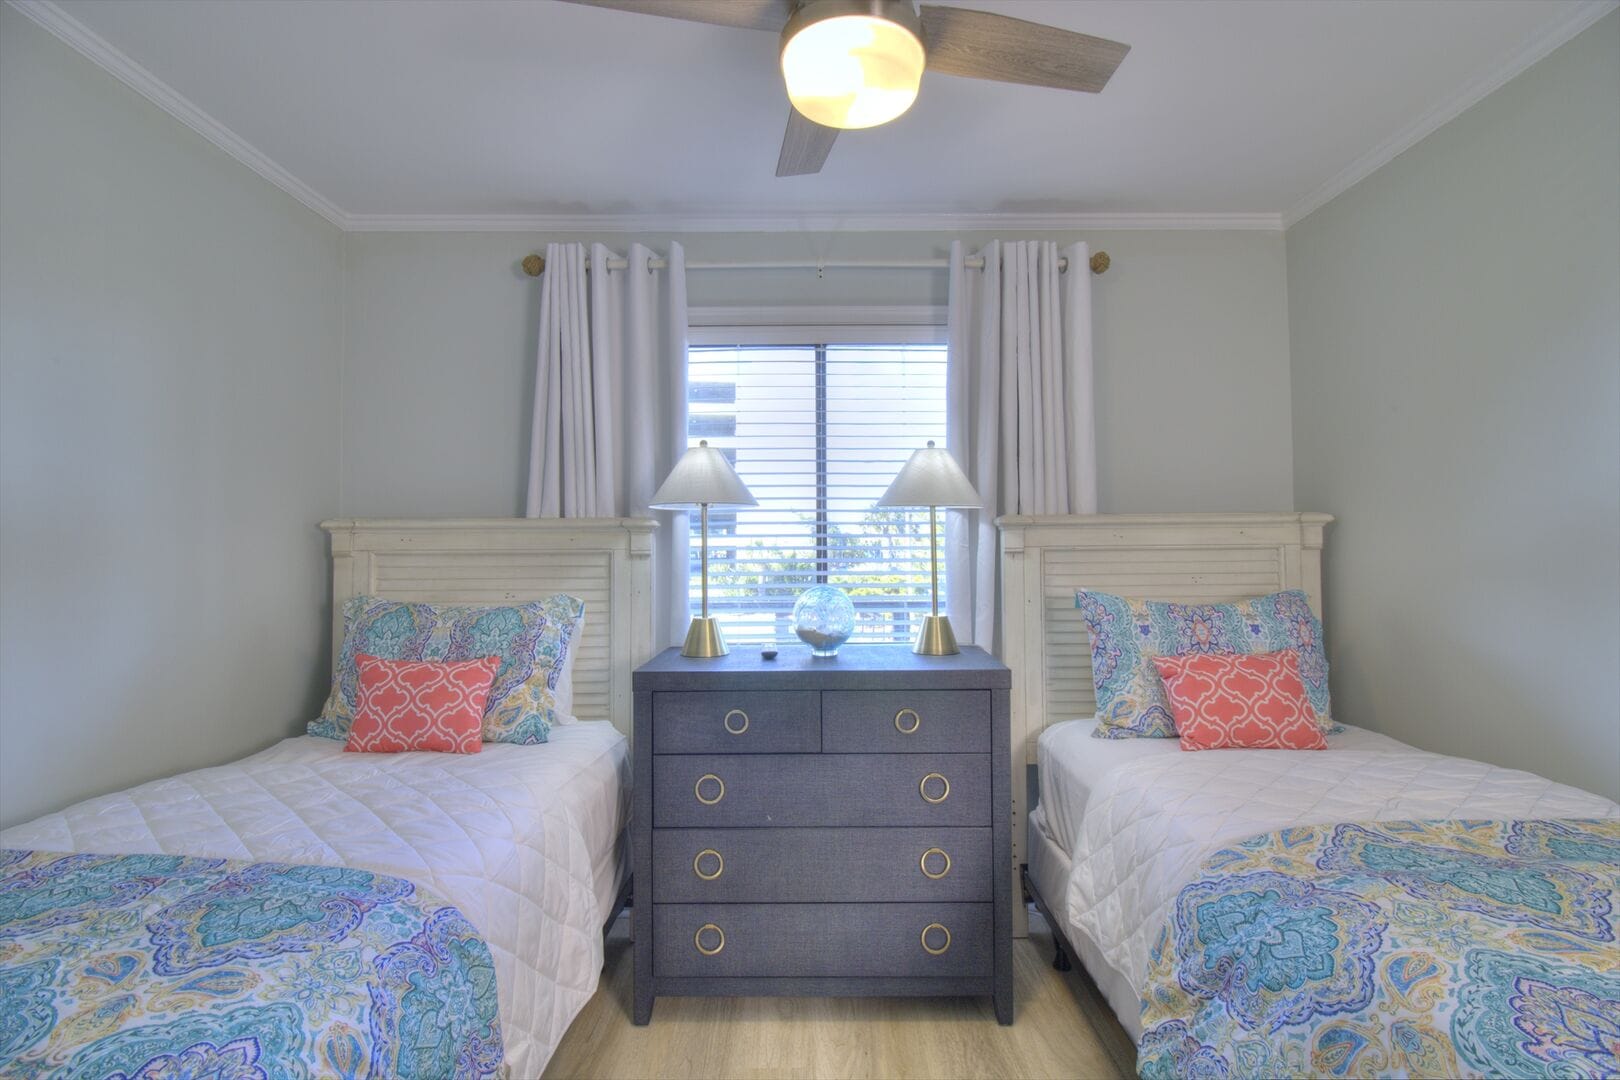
column 808, row 826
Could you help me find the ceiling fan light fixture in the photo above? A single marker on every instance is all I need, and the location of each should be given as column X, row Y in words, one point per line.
column 852, row 63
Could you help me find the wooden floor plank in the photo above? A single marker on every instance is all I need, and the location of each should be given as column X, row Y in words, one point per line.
column 1064, row 1030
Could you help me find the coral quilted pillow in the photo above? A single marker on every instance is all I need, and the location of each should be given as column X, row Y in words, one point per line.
column 535, row 642
column 421, row 705
column 1254, row 700
column 1127, row 634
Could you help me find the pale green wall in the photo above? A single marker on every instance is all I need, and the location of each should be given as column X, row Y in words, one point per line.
column 170, row 341
column 1191, row 342
column 194, row 370
column 175, row 414
column 1455, row 324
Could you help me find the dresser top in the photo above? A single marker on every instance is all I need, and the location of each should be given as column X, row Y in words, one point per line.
column 856, row 667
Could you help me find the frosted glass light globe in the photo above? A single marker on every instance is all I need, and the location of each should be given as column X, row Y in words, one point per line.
column 852, row 71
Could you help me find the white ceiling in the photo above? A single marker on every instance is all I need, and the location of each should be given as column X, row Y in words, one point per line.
column 471, row 107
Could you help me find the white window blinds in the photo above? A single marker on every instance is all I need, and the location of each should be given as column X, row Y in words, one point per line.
column 816, row 431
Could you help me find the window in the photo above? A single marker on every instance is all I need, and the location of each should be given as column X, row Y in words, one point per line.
column 816, row 428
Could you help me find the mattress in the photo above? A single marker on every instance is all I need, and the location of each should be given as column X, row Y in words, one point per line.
column 522, row 839
column 1072, row 763
column 1138, row 816
column 1049, row 870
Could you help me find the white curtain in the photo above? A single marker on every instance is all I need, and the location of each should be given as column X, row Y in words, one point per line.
column 1019, row 414
column 610, row 402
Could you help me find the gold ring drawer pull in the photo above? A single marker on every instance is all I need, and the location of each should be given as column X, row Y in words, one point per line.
column 922, row 863
column 916, row 721
column 719, row 864
column 697, row 789
column 927, row 948
column 736, row 730
column 697, row 939
column 922, row 788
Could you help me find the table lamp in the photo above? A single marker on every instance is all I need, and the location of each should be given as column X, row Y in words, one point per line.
column 932, row 478
column 702, row 478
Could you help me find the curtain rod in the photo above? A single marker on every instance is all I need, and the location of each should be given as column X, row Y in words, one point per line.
column 535, row 265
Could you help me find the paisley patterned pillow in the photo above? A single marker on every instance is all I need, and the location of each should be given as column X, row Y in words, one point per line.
column 533, row 640
column 1127, row 634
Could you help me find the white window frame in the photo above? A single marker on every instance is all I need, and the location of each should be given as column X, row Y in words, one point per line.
column 816, row 325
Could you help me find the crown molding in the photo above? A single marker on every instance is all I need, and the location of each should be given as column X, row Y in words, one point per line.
column 875, row 221
column 107, row 57
column 1471, row 94
column 110, row 59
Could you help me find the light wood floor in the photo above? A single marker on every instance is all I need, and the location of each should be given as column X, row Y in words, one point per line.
column 1063, row 1029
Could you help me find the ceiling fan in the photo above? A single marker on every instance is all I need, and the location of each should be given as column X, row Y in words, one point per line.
column 858, row 63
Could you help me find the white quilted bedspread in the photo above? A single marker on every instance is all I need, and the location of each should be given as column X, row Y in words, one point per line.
column 515, row 836
column 1150, row 821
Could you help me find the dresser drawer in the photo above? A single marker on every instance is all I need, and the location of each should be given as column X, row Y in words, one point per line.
column 740, row 722
column 820, row 865
column 762, row 790
column 809, row 940
column 905, row 721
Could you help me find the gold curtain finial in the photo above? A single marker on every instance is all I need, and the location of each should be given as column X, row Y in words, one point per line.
column 535, row 265
column 1100, row 262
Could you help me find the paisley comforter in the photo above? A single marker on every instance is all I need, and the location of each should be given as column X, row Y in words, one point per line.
column 1424, row 948
column 167, row 966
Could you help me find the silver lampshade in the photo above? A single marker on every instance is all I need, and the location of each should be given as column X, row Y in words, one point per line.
column 703, row 478
column 932, row 478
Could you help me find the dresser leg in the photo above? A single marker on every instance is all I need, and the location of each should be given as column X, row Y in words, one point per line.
column 642, row 1014
column 1004, row 1007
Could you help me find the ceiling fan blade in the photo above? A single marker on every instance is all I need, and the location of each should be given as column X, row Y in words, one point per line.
column 804, row 146
column 982, row 45
column 769, row 15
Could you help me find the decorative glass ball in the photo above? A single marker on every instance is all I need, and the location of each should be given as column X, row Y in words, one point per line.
column 823, row 617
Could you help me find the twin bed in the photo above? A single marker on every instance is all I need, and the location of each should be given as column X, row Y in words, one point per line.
column 1370, row 908
column 527, row 842
column 1123, row 824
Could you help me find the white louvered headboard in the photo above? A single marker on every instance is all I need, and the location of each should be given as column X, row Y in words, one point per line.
column 1195, row 557
column 605, row 562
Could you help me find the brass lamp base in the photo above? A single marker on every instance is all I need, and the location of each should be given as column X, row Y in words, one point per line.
column 705, row 641
column 935, row 638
